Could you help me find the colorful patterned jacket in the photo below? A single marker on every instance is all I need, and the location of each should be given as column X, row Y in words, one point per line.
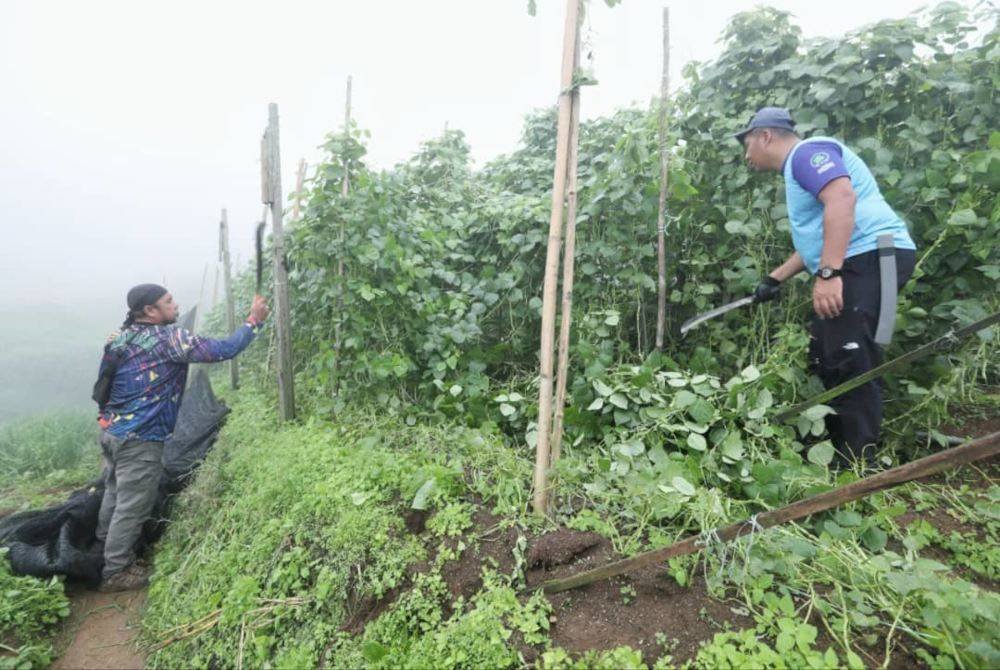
column 149, row 382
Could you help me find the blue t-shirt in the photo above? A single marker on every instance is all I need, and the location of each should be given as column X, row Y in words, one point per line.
column 809, row 167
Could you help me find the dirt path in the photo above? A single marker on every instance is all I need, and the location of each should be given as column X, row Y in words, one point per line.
column 101, row 630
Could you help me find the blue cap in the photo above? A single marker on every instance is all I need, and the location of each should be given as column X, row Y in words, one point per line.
column 768, row 117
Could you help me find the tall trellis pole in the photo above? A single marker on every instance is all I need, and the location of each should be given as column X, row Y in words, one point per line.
column 271, row 195
column 345, row 188
column 661, row 218
column 300, row 177
column 215, row 288
column 571, row 34
column 199, row 314
column 227, row 278
column 569, row 260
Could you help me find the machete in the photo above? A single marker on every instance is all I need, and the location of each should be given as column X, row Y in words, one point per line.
column 260, row 254
column 711, row 314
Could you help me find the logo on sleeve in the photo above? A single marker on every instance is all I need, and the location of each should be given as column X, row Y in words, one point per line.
column 821, row 162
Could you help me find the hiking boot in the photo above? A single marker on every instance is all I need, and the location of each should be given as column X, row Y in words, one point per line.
column 131, row 578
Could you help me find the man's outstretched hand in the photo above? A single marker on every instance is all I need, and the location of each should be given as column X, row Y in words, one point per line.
column 259, row 310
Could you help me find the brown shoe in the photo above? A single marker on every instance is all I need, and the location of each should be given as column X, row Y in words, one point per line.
column 131, row 578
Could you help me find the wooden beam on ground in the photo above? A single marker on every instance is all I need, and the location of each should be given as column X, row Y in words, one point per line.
column 946, row 341
column 271, row 195
column 227, row 277
column 975, row 450
column 571, row 33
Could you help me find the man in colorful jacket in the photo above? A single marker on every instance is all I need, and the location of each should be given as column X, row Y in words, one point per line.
column 860, row 254
column 147, row 365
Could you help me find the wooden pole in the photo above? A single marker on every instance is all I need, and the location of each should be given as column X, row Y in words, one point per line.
column 345, row 188
column 215, row 288
column 271, row 180
column 234, row 371
column 300, row 177
column 198, row 316
column 661, row 219
column 976, row 450
column 570, row 35
column 946, row 341
column 569, row 256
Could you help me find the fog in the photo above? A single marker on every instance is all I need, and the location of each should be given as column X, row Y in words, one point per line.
column 128, row 125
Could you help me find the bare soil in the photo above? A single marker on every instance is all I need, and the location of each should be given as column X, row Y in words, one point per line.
column 631, row 610
column 101, row 631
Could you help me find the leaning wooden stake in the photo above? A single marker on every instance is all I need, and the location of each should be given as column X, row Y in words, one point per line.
column 569, row 254
column 345, row 188
column 227, row 278
column 346, row 185
column 215, row 288
column 271, row 195
column 976, row 450
column 661, row 218
column 199, row 315
column 570, row 36
column 946, row 341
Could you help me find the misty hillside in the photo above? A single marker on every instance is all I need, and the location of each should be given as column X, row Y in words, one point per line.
column 49, row 356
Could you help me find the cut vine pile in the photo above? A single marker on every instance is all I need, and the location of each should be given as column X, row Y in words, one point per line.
column 390, row 526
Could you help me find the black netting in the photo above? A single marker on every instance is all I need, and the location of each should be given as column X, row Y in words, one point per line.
column 61, row 540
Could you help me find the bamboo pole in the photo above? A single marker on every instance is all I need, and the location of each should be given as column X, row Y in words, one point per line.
column 227, row 275
column 201, row 300
column 661, row 218
column 215, row 288
column 946, row 341
column 271, row 181
column 345, row 187
column 570, row 36
column 569, row 259
column 975, row 450
column 300, row 177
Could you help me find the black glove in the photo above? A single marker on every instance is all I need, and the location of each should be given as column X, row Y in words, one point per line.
column 767, row 289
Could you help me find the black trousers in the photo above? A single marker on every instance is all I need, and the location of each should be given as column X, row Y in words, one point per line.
column 844, row 347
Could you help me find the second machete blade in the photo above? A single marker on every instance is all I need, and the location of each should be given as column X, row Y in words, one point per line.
column 711, row 314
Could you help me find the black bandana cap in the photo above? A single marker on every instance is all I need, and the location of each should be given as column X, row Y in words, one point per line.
column 143, row 295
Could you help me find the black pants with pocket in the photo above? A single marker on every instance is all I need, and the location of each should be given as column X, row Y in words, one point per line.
column 844, row 347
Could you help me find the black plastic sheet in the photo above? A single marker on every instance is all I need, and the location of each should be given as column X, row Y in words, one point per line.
column 62, row 540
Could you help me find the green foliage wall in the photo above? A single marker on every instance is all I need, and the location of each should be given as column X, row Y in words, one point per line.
column 440, row 305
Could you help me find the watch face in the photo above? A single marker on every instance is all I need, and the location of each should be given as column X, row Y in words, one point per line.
column 825, row 273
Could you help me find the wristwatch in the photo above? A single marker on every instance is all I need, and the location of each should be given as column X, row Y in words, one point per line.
column 828, row 272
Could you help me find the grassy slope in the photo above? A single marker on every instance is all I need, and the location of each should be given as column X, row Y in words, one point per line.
column 43, row 457
column 289, row 529
column 292, row 549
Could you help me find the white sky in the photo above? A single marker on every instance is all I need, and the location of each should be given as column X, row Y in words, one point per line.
column 127, row 125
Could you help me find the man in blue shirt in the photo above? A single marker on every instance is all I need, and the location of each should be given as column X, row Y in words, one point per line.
column 837, row 216
column 146, row 364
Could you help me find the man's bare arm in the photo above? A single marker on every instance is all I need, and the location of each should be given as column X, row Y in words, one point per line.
column 789, row 268
column 838, row 220
column 838, row 200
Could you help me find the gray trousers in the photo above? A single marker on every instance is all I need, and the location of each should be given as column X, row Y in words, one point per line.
column 133, row 476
